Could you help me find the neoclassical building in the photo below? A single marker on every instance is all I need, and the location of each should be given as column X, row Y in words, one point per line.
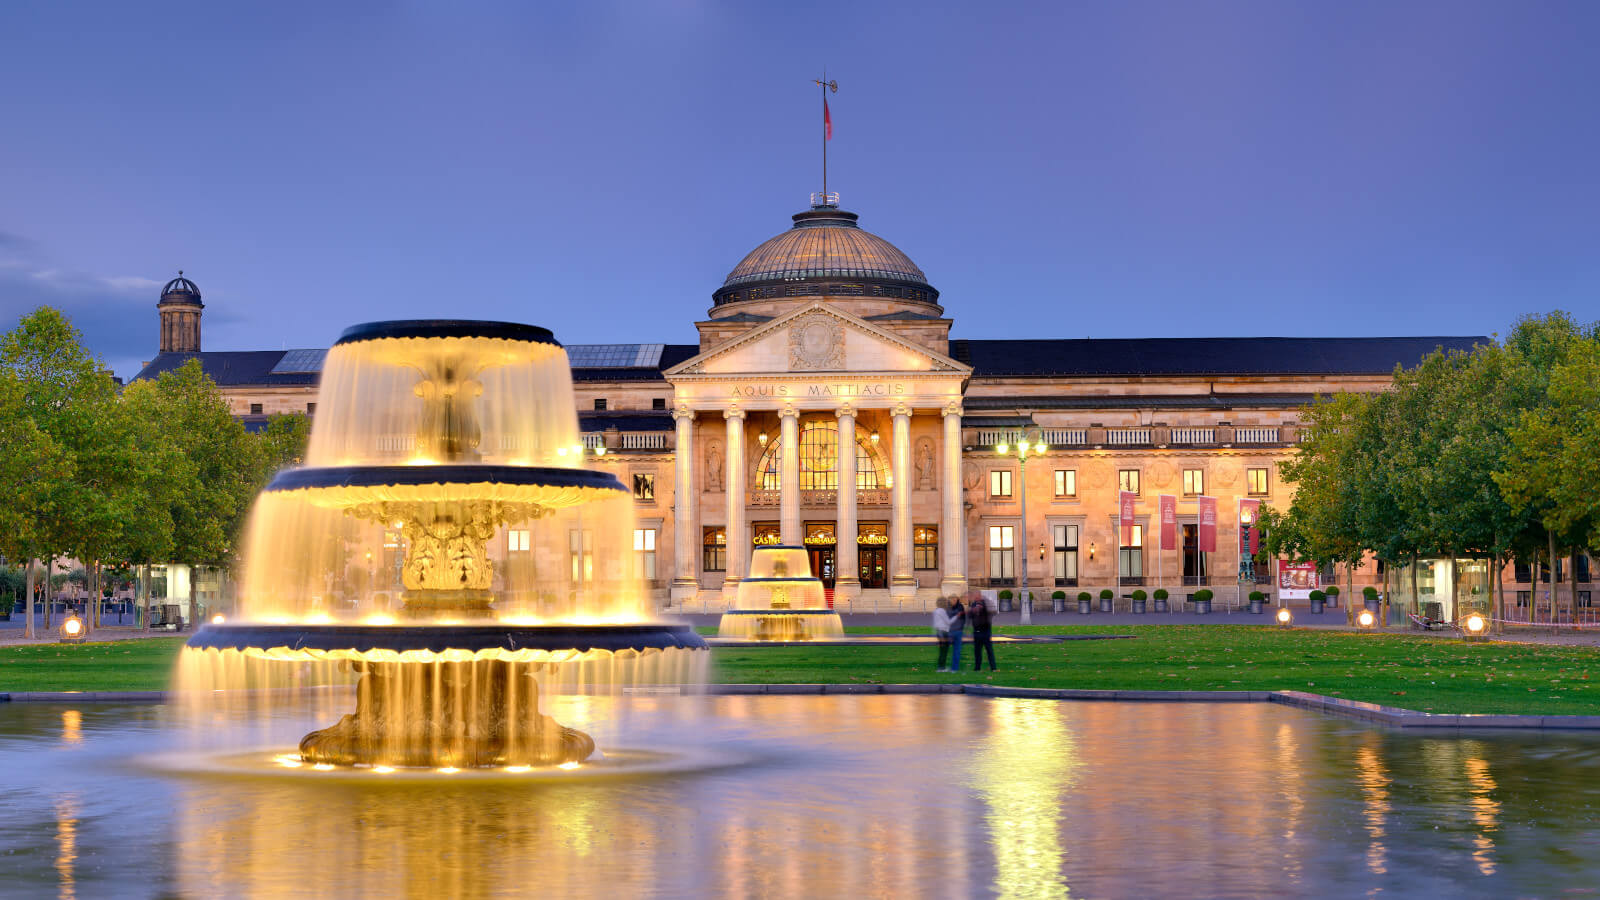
column 827, row 404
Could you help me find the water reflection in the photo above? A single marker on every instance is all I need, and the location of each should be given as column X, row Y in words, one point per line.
column 1485, row 811
column 1023, row 793
column 66, row 845
column 71, row 726
column 1374, row 783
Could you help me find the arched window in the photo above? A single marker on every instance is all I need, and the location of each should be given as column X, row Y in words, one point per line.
column 819, row 460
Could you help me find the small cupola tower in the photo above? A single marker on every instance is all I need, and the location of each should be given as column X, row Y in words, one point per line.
column 180, row 308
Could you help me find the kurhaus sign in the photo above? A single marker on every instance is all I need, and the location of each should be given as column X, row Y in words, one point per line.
column 858, row 389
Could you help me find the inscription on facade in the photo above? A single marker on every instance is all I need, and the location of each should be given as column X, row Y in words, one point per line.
column 862, row 389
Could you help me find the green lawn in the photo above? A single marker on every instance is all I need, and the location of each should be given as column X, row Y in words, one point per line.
column 1411, row 671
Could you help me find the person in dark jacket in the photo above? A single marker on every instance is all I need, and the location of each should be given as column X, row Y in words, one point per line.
column 958, row 622
column 941, row 630
column 982, row 619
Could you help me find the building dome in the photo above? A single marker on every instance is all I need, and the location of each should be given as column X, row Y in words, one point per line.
column 180, row 290
column 825, row 254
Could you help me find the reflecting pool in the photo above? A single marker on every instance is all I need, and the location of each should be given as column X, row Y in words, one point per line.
column 837, row 796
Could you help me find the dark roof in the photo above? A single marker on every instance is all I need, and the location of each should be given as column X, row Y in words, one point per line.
column 903, row 315
column 1140, row 401
column 231, row 367
column 671, row 355
column 1200, row 356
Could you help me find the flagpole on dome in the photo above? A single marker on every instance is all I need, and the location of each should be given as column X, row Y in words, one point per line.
column 824, row 198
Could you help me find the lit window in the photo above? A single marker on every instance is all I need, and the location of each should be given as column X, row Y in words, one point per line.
column 1002, row 552
column 819, row 460
column 1194, row 481
column 1066, row 482
column 925, row 547
column 580, row 546
column 1066, row 554
column 1257, row 480
column 1132, row 564
column 1128, row 480
column 714, row 555
column 644, row 487
column 1000, row 483
column 644, row 552
column 517, row 540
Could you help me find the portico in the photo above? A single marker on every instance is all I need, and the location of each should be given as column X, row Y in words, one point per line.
column 810, row 404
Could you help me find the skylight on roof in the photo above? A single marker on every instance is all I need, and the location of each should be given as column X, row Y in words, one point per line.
column 615, row 356
column 296, row 361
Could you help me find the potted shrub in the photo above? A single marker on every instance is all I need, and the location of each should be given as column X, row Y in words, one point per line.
column 1202, row 601
column 1005, row 600
column 1160, row 596
column 1319, row 601
column 1058, row 601
column 1258, row 602
column 1139, row 598
column 1106, row 600
column 1369, row 598
column 1083, row 602
column 1333, row 595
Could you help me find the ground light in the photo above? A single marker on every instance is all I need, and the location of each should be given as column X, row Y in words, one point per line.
column 218, row 619
column 1365, row 619
column 72, row 631
column 1285, row 617
column 1474, row 628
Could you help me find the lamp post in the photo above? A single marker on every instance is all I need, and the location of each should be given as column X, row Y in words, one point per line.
column 1029, row 442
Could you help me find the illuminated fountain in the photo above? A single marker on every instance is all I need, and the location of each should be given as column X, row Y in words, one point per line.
column 780, row 600
column 445, row 550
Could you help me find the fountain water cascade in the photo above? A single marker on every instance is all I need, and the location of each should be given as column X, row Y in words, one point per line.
column 781, row 600
column 445, row 552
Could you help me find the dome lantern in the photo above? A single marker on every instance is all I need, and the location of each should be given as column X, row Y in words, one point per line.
column 180, row 309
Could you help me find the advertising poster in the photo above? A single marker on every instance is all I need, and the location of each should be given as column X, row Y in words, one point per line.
column 1296, row 580
column 1208, row 524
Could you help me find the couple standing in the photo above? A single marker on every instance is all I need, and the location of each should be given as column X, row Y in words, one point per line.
column 950, row 620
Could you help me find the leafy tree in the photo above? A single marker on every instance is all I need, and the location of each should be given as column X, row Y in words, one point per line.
column 284, row 441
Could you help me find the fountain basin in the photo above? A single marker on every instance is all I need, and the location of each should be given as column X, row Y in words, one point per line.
column 780, row 625
column 321, row 640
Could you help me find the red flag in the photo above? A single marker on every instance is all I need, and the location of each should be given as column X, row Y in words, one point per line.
column 1251, row 510
column 1208, row 524
column 1169, row 521
column 827, row 121
column 1125, row 500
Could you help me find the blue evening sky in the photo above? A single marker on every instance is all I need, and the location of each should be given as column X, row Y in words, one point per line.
column 1061, row 169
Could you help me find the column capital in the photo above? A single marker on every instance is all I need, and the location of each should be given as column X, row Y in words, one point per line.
column 733, row 412
column 953, row 408
column 682, row 411
column 901, row 409
column 789, row 412
column 844, row 409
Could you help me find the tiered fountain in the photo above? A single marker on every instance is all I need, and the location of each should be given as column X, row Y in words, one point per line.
column 444, row 549
column 780, row 601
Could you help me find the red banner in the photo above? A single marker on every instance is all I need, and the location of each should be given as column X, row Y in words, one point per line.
column 1208, row 524
column 1169, row 521
column 1249, row 515
column 1125, row 501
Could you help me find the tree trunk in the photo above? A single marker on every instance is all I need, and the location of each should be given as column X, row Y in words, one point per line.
column 49, row 598
column 1496, row 625
column 1350, row 588
column 1455, row 590
column 1551, row 535
column 32, row 580
column 1572, row 589
column 1416, row 601
column 1384, row 606
column 141, row 597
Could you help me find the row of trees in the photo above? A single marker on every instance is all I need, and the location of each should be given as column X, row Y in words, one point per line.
column 159, row 471
column 1492, row 454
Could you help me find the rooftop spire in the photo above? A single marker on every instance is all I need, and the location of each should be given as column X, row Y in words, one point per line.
column 825, row 200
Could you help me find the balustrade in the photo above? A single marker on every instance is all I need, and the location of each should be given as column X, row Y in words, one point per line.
column 1255, row 435
column 1194, row 435
column 1120, row 437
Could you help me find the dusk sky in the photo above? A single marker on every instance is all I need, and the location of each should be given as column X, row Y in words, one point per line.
column 1060, row 169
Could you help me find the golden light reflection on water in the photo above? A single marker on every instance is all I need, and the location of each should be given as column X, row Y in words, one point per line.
column 67, row 845
column 1374, row 782
column 1023, row 794
column 1289, row 770
column 71, row 726
column 1485, row 812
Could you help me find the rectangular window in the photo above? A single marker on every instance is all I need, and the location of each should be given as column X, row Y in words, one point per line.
column 517, row 540
column 1128, row 480
column 1066, row 482
column 1524, row 598
column 1132, row 564
column 658, row 403
column 714, row 550
column 255, row 409
column 1194, row 482
column 311, row 409
column 644, row 487
column 1066, row 555
column 1002, row 552
column 580, row 548
column 1521, row 572
column 1257, row 481
column 925, row 547
column 1580, row 568
column 1194, row 561
column 1585, row 600
column 1000, row 483
column 599, row 403
column 644, row 552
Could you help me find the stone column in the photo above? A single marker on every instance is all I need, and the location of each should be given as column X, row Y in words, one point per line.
column 902, row 583
column 789, row 478
column 733, row 483
column 686, row 509
column 953, row 532
column 847, row 561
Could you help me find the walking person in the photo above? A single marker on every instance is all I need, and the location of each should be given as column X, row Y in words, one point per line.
column 958, row 621
column 941, row 630
column 982, row 619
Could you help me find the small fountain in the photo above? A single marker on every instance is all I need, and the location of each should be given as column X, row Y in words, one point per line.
column 445, row 549
column 780, row 600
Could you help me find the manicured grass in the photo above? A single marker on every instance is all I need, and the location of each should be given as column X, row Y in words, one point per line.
column 1405, row 670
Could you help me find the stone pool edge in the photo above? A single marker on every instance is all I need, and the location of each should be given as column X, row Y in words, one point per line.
column 1336, row 706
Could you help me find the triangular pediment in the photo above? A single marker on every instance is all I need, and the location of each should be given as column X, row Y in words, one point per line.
column 817, row 340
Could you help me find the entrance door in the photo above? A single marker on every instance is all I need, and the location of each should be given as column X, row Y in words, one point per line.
column 874, row 567
column 822, row 566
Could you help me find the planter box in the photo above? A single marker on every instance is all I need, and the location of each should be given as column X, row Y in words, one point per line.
column 1058, row 604
column 1105, row 604
column 1083, row 606
column 1161, row 605
column 1138, row 606
column 1317, row 606
column 1257, row 607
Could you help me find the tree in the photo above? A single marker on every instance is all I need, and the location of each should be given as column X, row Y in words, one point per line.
column 284, row 440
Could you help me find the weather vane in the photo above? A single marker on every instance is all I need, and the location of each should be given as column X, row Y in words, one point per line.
column 827, row 135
